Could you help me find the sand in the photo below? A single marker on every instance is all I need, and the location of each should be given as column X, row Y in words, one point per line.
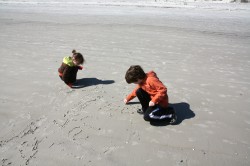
column 200, row 54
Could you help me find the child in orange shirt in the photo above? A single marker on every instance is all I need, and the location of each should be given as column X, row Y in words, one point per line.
column 69, row 68
column 151, row 93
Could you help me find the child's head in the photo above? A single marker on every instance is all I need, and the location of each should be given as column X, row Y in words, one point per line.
column 135, row 74
column 77, row 58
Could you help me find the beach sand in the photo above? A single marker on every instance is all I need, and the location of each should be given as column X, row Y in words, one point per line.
column 201, row 55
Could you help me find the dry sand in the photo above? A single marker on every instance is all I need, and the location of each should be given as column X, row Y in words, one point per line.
column 201, row 55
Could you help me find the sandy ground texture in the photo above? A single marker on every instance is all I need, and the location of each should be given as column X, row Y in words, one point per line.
column 201, row 55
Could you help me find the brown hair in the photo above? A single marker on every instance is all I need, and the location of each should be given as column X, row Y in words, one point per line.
column 134, row 73
column 78, row 57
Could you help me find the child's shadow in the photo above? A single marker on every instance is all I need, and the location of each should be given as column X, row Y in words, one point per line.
column 183, row 112
column 85, row 82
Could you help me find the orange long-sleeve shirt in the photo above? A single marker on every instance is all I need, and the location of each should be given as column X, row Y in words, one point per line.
column 154, row 87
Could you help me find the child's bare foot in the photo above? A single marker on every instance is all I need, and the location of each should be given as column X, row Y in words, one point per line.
column 70, row 85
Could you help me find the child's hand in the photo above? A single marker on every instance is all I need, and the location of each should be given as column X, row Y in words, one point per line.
column 125, row 101
column 151, row 104
column 80, row 67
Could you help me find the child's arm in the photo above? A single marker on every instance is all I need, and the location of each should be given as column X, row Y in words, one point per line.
column 131, row 96
column 161, row 90
column 80, row 67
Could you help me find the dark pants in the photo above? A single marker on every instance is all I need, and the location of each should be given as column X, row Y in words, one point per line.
column 69, row 84
column 155, row 113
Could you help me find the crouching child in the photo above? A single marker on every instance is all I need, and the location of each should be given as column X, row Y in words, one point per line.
column 151, row 93
column 69, row 68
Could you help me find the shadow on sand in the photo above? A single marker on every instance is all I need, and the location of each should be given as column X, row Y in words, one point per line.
column 85, row 82
column 183, row 112
column 133, row 102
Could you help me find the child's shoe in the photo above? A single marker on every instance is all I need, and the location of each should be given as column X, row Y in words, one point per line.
column 140, row 111
column 173, row 118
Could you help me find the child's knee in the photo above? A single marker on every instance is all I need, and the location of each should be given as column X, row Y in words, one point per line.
column 138, row 91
